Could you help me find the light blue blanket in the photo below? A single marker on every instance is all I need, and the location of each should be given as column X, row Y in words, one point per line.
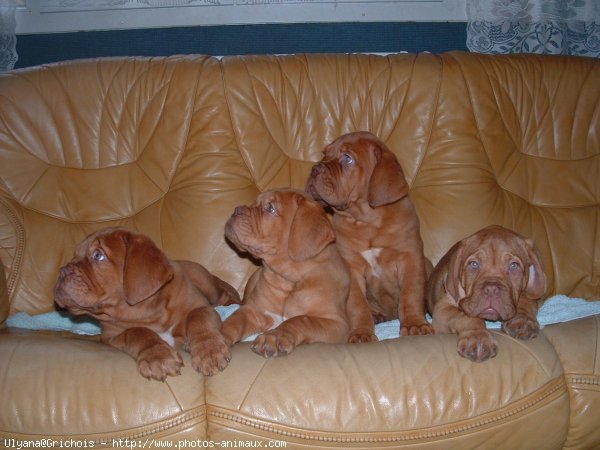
column 559, row 308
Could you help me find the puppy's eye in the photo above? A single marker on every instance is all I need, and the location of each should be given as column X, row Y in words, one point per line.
column 270, row 208
column 346, row 159
column 514, row 266
column 98, row 255
column 474, row 265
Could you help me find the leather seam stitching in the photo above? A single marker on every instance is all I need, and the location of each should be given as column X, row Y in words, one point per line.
column 402, row 436
column 164, row 426
column 105, row 438
column 593, row 380
column 11, row 282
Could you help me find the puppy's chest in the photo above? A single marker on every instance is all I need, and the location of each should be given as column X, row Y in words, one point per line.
column 168, row 337
column 277, row 319
column 371, row 258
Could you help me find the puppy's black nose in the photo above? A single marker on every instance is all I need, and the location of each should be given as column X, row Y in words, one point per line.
column 239, row 210
column 317, row 170
column 65, row 271
column 492, row 289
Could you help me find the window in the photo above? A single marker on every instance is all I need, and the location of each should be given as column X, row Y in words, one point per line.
column 46, row 16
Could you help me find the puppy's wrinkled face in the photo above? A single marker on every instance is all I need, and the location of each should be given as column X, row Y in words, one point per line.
column 342, row 176
column 87, row 282
column 493, row 279
column 496, row 269
column 281, row 224
column 259, row 228
column 111, row 267
column 357, row 168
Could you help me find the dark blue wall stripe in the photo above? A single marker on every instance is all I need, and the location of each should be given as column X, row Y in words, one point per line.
column 435, row 37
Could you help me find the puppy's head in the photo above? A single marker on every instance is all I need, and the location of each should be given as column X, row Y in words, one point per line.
column 490, row 271
column 111, row 267
column 281, row 225
column 357, row 168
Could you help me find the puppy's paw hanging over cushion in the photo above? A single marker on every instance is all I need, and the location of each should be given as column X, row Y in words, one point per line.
column 159, row 362
column 361, row 336
column 521, row 327
column 416, row 329
column 273, row 343
column 477, row 345
column 211, row 358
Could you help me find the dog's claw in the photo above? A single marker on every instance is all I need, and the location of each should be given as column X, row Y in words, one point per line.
column 159, row 362
column 521, row 327
column 362, row 337
column 272, row 344
column 210, row 357
column 418, row 329
column 477, row 345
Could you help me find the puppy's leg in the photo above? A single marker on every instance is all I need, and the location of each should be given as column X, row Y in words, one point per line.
column 359, row 314
column 474, row 341
column 300, row 330
column 525, row 324
column 411, row 304
column 210, row 354
column 155, row 358
column 244, row 322
column 217, row 291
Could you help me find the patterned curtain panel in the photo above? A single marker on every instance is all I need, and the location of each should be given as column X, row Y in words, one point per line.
column 8, row 38
column 569, row 27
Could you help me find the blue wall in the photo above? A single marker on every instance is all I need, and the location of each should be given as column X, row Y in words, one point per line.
column 413, row 37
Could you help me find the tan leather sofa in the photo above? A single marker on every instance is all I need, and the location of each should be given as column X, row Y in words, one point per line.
column 169, row 146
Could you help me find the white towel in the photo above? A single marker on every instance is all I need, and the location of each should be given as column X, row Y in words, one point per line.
column 55, row 321
column 558, row 308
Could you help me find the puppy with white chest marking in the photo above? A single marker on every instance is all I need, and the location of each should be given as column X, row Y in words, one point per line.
column 377, row 232
column 494, row 274
column 147, row 303
column 299, row 295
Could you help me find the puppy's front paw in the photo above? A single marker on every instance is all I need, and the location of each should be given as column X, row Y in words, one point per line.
column 521, row 327
column 159, row 362
column 477, row 345
column 273, row 343
column 210, row 357
column 359, row 336
column 416, row 329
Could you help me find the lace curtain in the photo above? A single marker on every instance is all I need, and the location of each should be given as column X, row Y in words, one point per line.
column 570, row 27
column 8, row 38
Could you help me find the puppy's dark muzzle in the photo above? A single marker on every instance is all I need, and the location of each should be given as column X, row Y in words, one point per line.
column 70, row 279
column 316, row 174
column 236, row 220
column 65, row 271
column 63, row 274
column 240, row 210
column 493, row 289
column 317, row 170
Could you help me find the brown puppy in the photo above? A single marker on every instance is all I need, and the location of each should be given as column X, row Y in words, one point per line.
column 495, row 274
column 377, row 232
column 299, row 294
column 146, row 303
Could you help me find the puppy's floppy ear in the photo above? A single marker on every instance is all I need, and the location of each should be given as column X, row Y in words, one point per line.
column 536, row 277
column 453, row 281
column 387, row 183
column 310, row 231
column 146, row 268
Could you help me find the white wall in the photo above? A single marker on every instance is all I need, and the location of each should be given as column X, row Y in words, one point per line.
column 48, row 16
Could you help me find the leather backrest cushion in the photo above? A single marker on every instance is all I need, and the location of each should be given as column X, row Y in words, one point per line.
column 170, row 146
column 140, row 142
column 516, row 142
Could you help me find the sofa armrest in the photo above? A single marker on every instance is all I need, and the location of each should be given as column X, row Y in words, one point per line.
column 4, row 305
column 577, row 344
